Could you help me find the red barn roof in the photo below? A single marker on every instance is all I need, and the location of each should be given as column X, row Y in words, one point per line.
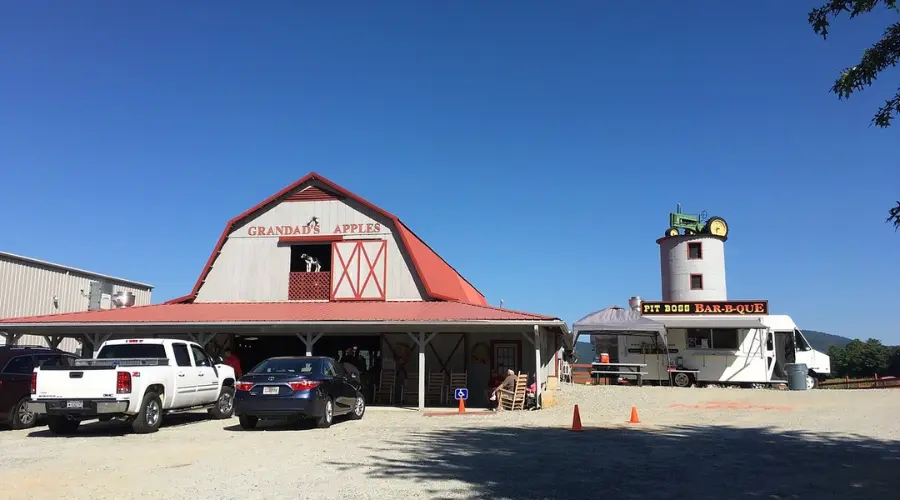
column 440, row 280
column 287, row 312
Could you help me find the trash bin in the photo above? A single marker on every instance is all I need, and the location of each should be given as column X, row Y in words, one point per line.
column 796, row 374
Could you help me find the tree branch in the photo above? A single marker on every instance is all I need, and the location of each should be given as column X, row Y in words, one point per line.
column 820, row 18
column 894, row 217
column 885, row 53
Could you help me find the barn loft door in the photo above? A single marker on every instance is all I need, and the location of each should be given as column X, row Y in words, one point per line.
column 359, row 270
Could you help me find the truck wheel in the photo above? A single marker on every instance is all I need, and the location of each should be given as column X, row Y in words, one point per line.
column 62, row 425
column 324, row 421
column 150, row 417
column 20, row 417
column 224, row 405
column 682, row 379
column 248, row 422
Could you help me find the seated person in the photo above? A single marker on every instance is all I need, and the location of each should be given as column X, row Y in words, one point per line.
column 509, row 384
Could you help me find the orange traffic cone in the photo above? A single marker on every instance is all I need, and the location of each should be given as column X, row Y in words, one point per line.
column 634, row 416
column 576, row 421
column 462, row 405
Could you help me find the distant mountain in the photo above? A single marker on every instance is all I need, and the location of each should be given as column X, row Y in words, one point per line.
column 819, row 341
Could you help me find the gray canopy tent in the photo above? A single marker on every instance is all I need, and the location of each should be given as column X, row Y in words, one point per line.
column 615, row 321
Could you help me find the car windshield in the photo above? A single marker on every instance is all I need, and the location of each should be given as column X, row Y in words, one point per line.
column 301, row 366
column 131, row 351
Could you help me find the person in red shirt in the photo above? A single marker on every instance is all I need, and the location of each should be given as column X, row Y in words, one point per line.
column 233, row 361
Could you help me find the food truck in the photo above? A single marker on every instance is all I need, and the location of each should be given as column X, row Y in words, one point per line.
column 722, row 343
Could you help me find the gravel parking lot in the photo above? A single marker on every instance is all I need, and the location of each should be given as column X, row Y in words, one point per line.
column 692, row 443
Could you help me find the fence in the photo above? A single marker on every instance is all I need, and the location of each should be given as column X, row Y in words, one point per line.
column 862, row 383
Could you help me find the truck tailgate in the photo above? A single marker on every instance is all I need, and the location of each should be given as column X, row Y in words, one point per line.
column 90, row 382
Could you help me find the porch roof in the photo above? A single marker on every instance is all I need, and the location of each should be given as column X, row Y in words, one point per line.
column 209, row 316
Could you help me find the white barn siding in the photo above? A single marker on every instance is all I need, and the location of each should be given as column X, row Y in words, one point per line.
column 27, row 289
column 255, row 268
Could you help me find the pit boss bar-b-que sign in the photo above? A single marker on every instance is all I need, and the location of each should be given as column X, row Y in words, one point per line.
column 725, row 308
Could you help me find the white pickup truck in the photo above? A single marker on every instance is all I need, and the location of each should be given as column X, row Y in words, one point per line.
column 134, row 379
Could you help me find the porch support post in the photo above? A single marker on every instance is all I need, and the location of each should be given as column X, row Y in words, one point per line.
column 11, row 338
column 421, row 371
column 203, row 338
column 53, row 340
column 309, row 341
column 422, row 341
column 537, row 364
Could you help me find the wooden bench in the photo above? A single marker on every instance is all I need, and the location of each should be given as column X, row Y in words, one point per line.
column 639, row 375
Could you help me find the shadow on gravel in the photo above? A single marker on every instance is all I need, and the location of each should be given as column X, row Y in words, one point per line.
column 120, row 428
column 286, row 425
column 675, row 463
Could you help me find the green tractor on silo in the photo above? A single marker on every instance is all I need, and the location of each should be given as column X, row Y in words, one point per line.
column 694, row 224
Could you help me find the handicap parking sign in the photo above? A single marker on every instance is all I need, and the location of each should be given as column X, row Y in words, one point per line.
column 461, row 393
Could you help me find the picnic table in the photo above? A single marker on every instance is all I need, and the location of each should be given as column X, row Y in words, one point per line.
column 619, row 369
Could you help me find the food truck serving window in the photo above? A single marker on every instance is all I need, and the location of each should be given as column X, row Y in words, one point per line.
column 713, row 338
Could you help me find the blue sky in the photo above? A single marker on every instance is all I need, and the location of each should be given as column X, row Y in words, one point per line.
column 538, row 147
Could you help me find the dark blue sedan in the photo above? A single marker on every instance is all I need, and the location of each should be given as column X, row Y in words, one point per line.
column 310, row 387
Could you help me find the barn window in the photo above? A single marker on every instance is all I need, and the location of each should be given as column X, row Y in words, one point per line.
column 303, row 255
column 310, row 272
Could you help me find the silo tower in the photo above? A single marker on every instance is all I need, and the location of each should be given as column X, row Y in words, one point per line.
column 692, row 258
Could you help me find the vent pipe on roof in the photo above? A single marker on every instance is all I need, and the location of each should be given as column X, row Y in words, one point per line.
column 635, row 303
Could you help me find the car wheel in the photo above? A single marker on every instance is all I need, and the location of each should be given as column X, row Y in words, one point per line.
column 20, row 417
column 248, row 422
column 62, row 425
column 224, row 405
column 811, row 382
column 149, row 418
column 359, row 407
column 325, row 420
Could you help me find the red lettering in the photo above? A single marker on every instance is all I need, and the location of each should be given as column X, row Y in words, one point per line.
column 279, row 230
column 270, row 231
column 345, row 228
column 337, row 229
column 354, row 228
column 369, row 227
column 377, row 227
column 717, row 308
column 316, row 229
column 251, row 230
column 260, row 230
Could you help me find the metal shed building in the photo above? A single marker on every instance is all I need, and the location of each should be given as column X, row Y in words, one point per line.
column 32, row 287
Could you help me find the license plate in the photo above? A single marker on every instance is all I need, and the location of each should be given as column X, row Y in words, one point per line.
column 75, row 404
column 270, row 390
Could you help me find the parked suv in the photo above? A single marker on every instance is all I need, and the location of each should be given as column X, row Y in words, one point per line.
column 16, row 365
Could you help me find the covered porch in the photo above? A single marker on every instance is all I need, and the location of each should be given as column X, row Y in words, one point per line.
column 417, row 352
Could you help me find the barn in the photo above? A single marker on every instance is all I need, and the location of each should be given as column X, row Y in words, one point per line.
column 315, row 269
